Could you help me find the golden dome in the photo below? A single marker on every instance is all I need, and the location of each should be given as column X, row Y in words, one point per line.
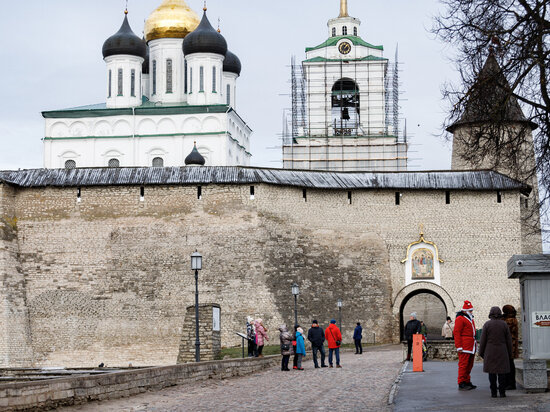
column 172, row 19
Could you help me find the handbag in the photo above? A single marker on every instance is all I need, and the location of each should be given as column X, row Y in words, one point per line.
column 338, row 343
column 285, row 347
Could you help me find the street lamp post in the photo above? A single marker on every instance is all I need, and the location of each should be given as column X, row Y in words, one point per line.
column 295, row 292
column 339, row 304
column 196, row 265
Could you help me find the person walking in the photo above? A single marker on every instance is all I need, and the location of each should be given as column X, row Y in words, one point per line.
column 447, row 329
column 286, row 347
column 316, row 336
column 465, row 343
column 334, row 340
column 496, row 350
column 357, row 336
column 300, row 348
column 510, row 317
column 251, row 335
column 412, row 327
column 423, row 329
column 261, row 336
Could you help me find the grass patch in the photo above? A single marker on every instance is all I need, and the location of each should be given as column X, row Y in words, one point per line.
column 237, row 352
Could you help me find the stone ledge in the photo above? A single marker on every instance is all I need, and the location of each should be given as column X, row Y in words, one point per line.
column 47, row 395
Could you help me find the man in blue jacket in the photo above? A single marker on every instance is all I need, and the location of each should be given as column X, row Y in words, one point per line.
column 357, row 336
column 316, row 336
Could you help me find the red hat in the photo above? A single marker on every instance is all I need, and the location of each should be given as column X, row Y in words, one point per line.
column 467, row 305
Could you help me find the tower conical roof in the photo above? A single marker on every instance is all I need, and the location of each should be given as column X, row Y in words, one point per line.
column 124, row 41
column 490, row 99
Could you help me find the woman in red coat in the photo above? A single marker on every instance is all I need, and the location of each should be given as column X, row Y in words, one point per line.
column 334, row 340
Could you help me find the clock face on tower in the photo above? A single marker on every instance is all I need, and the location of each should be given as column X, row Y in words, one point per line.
column 344, row 47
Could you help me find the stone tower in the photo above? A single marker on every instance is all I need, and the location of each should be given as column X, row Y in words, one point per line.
column 493, row 133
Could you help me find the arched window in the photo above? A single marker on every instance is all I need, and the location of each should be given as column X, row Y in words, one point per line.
column 334, row 32
column 190, row 80
column 345, row 107
column 228, row 93
column 185, row 77
column 114, row 163
column 158, row 162
column 169, row 76
column 214, row 79
column 120, row 79
column 345, row 31
column 70, row 164
column 110, row 82
column 355, row 31
column 154, row 77
column 133, row 83
column 201, row 79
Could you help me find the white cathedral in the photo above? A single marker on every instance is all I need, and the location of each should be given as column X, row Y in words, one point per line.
column 163, row 93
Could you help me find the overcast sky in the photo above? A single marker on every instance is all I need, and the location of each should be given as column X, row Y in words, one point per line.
column 51, row 59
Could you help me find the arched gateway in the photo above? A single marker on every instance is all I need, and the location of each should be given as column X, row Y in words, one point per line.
column 415, row 290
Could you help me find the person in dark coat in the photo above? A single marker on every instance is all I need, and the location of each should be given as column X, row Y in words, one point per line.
column 496, row 350
column 357, row 336
column 510, row 317
column 316, row 335
column 286, row 346
column 412, row 327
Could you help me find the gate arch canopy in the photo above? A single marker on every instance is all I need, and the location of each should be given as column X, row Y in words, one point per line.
column 410, row 291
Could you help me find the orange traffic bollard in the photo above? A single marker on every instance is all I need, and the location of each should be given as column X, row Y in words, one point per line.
column 417, row 353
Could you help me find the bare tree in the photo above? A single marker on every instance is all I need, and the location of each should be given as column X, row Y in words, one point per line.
column 503, row 59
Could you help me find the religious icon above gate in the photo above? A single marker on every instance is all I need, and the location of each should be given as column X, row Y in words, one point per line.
column 422, row 261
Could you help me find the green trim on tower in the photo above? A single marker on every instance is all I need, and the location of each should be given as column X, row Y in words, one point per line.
column 147, row 109
column 332, row 41
column 323, row 60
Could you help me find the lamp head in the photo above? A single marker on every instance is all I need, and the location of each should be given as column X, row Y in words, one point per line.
column 196, row 261
column 295, row 289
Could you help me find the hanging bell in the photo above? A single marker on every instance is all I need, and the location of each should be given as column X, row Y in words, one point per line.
column 345, row 114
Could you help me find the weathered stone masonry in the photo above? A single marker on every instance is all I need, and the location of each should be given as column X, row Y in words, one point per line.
column 108, row 279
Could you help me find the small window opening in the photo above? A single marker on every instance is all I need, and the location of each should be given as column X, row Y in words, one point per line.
column 345, row 31
column 355, row 31
column 133, row 83
column 79, row 195
column 349, row 198
column 397, row 198
column 158, row 162
column 499, row 197
column 201, row 79
column 334, row 32
column 447, row 197
column 169, row 76
column 526, row 203
column 251, row 192
column 190, row 80
column 70, row 164
column 120, row 85
column 185, row 77
column 199, row 192
column 114, row 163
column 304, row 195
column 142, row 194
column 154, row 77
column 228, row 95
column 110, row 82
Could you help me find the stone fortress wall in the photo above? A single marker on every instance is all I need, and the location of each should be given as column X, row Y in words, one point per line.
column 108, row 279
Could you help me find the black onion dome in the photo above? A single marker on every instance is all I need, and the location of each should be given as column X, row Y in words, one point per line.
column 232, row 63
column 195, row 158
column 204, row 39
column 124, row 42
column 145, row 66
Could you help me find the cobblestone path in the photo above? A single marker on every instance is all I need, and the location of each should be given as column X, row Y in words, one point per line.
column 363, row 384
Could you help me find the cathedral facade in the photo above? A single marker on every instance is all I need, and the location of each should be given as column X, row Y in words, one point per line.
column 175, row 87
